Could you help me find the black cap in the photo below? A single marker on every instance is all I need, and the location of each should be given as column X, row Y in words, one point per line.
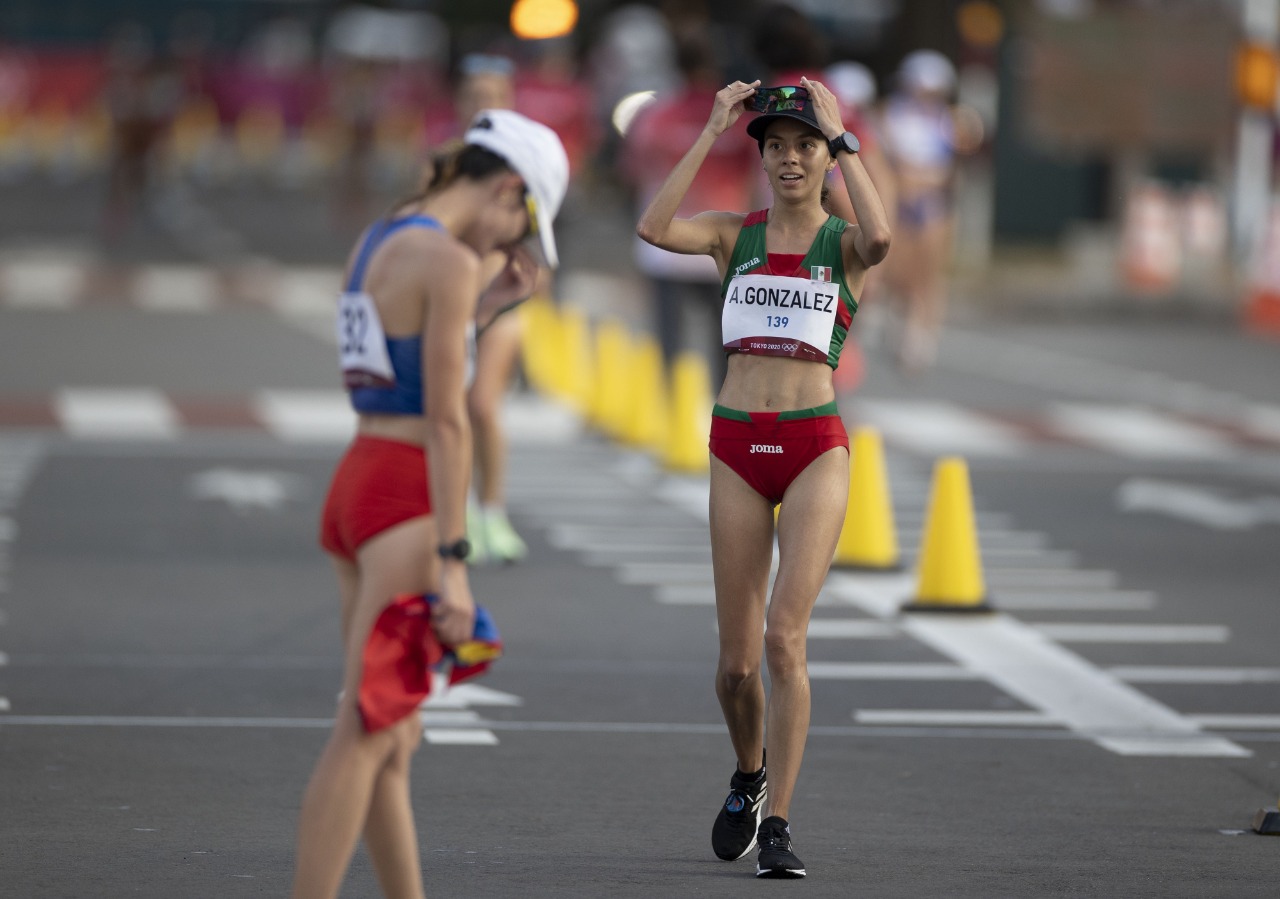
column 756, row 127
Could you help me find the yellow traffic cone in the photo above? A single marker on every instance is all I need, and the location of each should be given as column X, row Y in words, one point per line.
column 868, row 541
column 645, row 415
column 612, row 358
column 576, row 367
column 949, row 564
column 538, row 333
column 690, row 418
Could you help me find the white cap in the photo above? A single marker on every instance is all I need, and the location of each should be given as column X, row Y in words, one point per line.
column 535, row 153
column 852, row 82
column 927, row 70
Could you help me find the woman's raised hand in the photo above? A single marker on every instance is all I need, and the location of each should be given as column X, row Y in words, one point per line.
column 730, row 104
column 826, row 109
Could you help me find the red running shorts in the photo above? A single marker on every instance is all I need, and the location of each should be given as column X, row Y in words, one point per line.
column 769, row 453
column 379, row 483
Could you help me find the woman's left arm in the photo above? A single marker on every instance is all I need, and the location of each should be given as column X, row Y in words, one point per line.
column 871, row 234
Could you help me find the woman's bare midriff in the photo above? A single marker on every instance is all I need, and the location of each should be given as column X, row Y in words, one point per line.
column 405, row 428
column 775, row 384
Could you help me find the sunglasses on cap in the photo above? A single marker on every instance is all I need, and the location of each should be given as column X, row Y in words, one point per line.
column 779, row 99
column 531, row 206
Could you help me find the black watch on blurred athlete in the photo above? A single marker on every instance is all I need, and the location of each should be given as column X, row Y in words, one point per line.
column 845, row 143
column 459, row 549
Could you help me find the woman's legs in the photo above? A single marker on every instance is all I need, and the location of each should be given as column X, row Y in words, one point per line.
column 742, row 553
column 809, row 525
column 496, row 358
column 361, row 780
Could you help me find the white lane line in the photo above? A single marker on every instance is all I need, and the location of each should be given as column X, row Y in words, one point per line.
column 1158, row 674
column 176, row 288
column 849, row 629
column 889, row 671
column 608, row 559
column 1138, row 432
column 306, row 415
column 1050, row 578
column 448, row 717
column 308, row 292
column 4, row 704
column 936, row 427
column 444, row 736
column 162, row 721
column 948, row 718
column 1237, row 722
column 1078, row 601
column 1041, row 674
column 1133, row 633
column 565, row 535
column 140, row 413
column 1026, row 558
column 1263, row 421
column 4, row 659
column 663, row 573
column 687, row 594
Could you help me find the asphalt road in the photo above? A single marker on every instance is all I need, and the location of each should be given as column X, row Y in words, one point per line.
column 168, row 632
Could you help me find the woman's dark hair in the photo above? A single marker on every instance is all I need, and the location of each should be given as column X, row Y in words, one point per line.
column 450, row 162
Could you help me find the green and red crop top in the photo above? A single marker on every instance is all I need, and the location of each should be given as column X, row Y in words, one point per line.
column 787, row 305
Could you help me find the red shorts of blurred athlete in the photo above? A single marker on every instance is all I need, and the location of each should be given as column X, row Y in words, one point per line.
column 378, row 484
column 768, row 450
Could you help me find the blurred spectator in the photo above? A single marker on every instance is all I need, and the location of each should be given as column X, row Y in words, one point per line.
column 635, row 53
column 920, row 140
column 686, row 289
column 143, row 94
column 548, row 90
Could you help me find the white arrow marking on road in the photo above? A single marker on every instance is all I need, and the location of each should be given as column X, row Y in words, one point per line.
column 1200, row 505
column 444, row 715
column 245, row 490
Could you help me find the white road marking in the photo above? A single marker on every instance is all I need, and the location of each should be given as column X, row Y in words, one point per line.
column 1157, row 674
column 1200, row 505
column 1237, row 722
column 448, row 717
column 604, row 558
column 306, row 415
column 460, row 696
column 41, row 284
column 936, row 427
column 443, row 736
column 663, row 573
column 1049, row 578
column 1134, row 633
column 94, row 413
column 176, row 288
column 947, row 718
column 308, row 292
column 1041, row 674
column 1077, row 601
column 851, row 629
column 889, row 671
column 1263, row 421
column 245, row 490
column 1138, row 432
column 686, row 594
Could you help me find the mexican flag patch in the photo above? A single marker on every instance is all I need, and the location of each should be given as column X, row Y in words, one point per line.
column 820, row 273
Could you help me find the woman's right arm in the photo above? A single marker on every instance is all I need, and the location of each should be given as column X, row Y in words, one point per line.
column 658, row 224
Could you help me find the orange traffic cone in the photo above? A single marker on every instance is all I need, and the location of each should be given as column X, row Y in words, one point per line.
column 1262, row 305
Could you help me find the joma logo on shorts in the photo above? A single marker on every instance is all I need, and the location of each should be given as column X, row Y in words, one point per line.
column 765, row 448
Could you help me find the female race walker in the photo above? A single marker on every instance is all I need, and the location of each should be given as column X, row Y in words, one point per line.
column 394, row 518
column 790, row 277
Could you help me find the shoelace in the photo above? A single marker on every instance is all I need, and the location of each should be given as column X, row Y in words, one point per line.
column 774, row 839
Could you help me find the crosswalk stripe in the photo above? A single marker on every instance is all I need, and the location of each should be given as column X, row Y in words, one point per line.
column 938, row 427
column 1137, row 432
column 177, row 288
column 1134, row 633
column 957, row 718
column 449, row 736
column 116, row 413
column 1183, row 674
column 41, row 284
column 306, row 415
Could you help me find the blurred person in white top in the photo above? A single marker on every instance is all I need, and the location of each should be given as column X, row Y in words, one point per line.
column 919, row 132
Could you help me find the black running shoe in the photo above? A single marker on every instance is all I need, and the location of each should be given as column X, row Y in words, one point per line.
column 776, row 858
column 734, row 833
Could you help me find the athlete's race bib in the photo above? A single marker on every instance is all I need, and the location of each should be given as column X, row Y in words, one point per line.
column 776, row 315
column 362, row 344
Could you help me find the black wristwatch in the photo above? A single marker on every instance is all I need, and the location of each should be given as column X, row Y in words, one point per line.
column 845, row 143
column 459, row 549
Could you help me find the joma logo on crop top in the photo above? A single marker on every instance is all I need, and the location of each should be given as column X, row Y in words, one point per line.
column 765, row 448
column 746, row 265
column 782, row 298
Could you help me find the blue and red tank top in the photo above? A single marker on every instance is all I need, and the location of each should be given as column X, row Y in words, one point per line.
column 786, row 305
